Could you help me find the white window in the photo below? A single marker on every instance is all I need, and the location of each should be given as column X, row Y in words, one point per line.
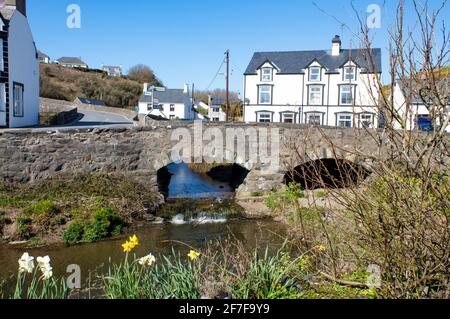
column 344, row 120
column 172, row 117
column 314, row 119
column 314, row 74
column 149, row 107
column 265, row 94
column 216, row 109
column 264, row 117
column 366, row 120
column 18, row 100
column 172, row 107
column 349, row 73
column 315, row 95
column 216, row 119
column 266, row 75
column 346, row 95
column 288, row 118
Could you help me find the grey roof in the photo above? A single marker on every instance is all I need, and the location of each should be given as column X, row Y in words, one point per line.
column 217, row 100
column 295, row 62
column 419, row 93
column 174, row 96
column 7, row 12
column 91, row 101
column 42, row 54
column 70, row 60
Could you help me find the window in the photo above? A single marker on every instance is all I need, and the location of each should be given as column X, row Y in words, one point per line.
column 18, row 100
column 366, row 120
column 149, row 107
column 216, row 109
column 266, row 75
column 216, row 119
column 172, row 117
column 2, row 98
column 346, row 95
column 264, row 117
column 172, row 107
column 288, row 118
column 314, row 119
column 314, row 74
column 349, row 73
column 315, row 95
column 344, row 120
column 265, row 94
column 1, row 56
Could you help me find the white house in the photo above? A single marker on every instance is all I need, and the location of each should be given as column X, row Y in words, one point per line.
column 112, row 71
column 334, row 87
column 412, row 107
column 43, row 58
column 19, row 69
column 72, row 62
column 169, row 104
column 215, row 109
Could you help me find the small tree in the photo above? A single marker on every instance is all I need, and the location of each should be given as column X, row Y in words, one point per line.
column 143, row 74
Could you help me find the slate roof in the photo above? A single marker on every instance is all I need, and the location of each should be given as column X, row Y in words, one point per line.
column 42, row 54
column 295, row 62
column 217, row 100
column 91, row 101
column 418, row 92
column 71, row 60
column 174, row 96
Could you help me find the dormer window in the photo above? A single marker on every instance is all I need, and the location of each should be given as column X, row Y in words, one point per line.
column 350, row 73
column 314, row 74
column 266, row 74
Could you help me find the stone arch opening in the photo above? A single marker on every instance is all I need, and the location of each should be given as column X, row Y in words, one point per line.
column 181, row 180
column 327, row 173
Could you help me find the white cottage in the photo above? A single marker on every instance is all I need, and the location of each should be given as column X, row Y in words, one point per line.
column 334, row 87
column 19, row 69
column 169, row 104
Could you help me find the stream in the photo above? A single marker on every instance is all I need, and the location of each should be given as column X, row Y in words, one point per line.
column 158, row 238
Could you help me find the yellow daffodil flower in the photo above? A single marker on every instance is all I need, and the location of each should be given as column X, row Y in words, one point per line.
column 320, row 248
column 127, row 247
column 193, row 255
column 134, row 241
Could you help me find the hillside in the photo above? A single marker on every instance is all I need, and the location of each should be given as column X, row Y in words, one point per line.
column 62, row 83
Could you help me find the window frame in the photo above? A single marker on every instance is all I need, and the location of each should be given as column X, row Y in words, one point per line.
column 321, row 94
column 345, row 73
column 264, row 113
column 315, row 114
column 372, row 120
column 338, row 120
column 293, row 114
column 172, row 107
column 352, row 94
column 270, row 92
column 270, row 74
column 319, row 75
column 21, row 87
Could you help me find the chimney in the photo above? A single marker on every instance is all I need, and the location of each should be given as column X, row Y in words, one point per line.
column 146, row 85
column 186, row 88
column 336, row 49
column 20, row 5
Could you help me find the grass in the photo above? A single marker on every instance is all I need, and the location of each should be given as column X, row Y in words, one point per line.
column 50, row 207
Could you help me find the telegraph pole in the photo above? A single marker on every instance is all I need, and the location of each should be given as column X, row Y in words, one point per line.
column 228, row 84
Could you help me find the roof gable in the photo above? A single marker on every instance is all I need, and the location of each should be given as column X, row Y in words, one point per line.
column 71, row 60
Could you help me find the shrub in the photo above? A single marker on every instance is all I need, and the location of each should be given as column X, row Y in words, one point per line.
column 24, row 227
column 42, row 212
column 74, row 233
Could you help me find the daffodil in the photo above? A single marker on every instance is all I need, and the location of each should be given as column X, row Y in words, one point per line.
column 193, row 255
column 147, row 260
column 127, row 247
column 45, row 267
column 320, row 248
column 134, row 241
column 26, row 263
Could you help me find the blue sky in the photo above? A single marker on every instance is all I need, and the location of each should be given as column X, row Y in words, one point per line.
column 185, row 41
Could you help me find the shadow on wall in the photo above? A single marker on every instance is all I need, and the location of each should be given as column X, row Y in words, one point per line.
column 327, row 173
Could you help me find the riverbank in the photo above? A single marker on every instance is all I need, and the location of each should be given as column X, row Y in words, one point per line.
column 99, row 205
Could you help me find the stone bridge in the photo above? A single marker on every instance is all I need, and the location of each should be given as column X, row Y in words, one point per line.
column 139, row 153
